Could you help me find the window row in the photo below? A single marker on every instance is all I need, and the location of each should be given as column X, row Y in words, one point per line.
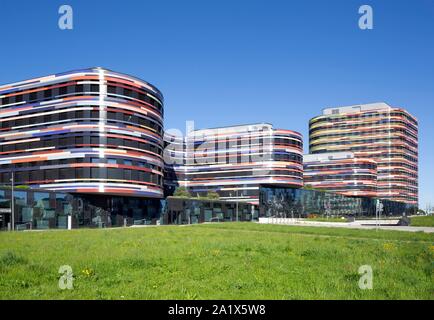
column 39, row 176
column 133, row 93
column 69, row 89
column 63, row 142
column 119, row 116
column 288, row 157
column 339, row 166
column 288, row 142
column 118, row 161
column 84, row 115
column 362, row 134
column 341, row 177
column 238, row 174
column 365, row 116
column 377, row 124
column 378, row 147
column 48, row 94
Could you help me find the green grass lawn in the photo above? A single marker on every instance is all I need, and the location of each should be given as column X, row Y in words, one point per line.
column 217, row 261
column 424, row 221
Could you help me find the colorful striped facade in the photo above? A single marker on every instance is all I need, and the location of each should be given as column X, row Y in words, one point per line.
column 89, row 131
column 379, row 132
column 341, row 173
column 175, row 155
column 234, row 161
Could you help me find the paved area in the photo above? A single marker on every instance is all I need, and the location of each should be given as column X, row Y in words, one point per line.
column 349, row 225
column 395, row 228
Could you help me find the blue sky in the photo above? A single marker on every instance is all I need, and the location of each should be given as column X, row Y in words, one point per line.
column 222, row 62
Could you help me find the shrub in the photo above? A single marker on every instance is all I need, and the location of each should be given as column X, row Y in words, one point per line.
column 182, row 192
column 212, row 195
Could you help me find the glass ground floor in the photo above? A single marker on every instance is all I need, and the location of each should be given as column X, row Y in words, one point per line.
column 42, row 209
column 189, row 211
column 288, row 202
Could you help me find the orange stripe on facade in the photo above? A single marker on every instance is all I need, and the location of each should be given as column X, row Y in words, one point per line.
column 32, row 159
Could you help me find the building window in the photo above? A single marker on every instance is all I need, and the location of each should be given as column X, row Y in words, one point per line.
column 94, row 88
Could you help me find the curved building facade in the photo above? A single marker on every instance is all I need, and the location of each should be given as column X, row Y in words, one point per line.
column 89, row 131
column 234, row 161
column 375, row 131
column 174, row 162
column 341, row 173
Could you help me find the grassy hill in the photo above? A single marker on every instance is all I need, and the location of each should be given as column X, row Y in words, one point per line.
column 422, row 221
column 216, row 261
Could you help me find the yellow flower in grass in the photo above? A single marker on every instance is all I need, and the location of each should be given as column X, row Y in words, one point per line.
column 431, row 248
column 388, row 246
column 87, row 272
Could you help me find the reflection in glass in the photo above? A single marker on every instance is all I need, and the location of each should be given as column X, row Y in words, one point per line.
column 286, row 202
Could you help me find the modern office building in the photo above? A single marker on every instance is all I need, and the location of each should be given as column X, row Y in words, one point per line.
column 89, row 144
column 287, row 202
column 92, row 132
column 385, row 134
column 233, row 161
column 341, row 172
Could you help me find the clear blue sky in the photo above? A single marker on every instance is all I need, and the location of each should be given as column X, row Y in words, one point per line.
column 222, row 62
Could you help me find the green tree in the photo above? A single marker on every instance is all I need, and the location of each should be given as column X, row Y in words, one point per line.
column 212, row 195
column 24, row 187
column 308, row 187
column 182, row 192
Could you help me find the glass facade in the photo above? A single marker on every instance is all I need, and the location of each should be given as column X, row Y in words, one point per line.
column 42, row 209
column 300, row 203
column 190, row 211
column 4, row 208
